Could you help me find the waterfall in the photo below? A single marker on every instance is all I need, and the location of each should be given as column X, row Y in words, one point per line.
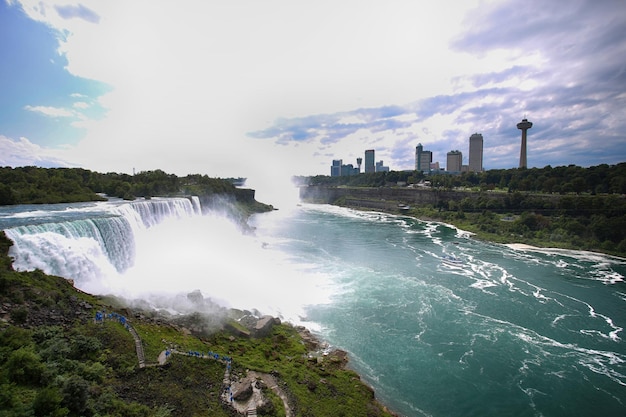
column 196, row 204
column 93, row 246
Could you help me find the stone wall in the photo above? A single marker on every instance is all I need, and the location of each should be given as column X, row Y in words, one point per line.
column 385, row 198
column 328, row 195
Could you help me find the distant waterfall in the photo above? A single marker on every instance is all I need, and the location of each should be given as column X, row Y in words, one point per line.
column 152, row 212
column 196, row 204
column 90, row 247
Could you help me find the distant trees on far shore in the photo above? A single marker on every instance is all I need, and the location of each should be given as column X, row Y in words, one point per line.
column 34, row 185
column 569, row 206
column 600, row 179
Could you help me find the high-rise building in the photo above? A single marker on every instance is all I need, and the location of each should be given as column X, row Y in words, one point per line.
column 524, row 125
column 347, row 170
column 418, row 156
column 476, row 152
column 454, row 161
column 369, row 161
column 338, row 169
column 380, row 167
column 422, row 158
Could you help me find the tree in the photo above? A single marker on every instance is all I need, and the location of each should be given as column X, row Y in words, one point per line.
column 579, row 185
column 48, row 403
column 24, row 367
column 75, row 394
column 7, row 196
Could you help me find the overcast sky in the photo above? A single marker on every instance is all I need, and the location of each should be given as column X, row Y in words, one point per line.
column 274, row 88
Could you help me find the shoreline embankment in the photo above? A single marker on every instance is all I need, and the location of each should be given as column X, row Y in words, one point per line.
column 396, row 200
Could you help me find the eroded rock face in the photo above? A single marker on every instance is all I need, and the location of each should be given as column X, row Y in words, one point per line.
column 264, row 326
column 243, row 390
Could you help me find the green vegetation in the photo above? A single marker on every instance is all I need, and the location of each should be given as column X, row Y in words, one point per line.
column 596, row 233
column 565, row 207
column 594, row 223
column 601, row 179
column 33, row 185
column 55, row 360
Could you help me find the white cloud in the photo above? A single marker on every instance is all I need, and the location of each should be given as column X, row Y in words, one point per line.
column 196, row 76
column 23, row 152
column 192, row 79
column 50, row 111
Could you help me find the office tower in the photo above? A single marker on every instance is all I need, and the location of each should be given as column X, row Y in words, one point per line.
column 359, row 161
column 422, row 158
column 418, row 156
column 454, row 161
column 369, row 161
column 380, row 167
column 347, row 170
column 524, row 125
column 335, row 169
column 476, row 152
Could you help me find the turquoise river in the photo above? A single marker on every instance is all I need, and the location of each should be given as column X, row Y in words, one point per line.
column 508, row 330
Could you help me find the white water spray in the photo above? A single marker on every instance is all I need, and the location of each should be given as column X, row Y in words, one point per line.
column 175, row 251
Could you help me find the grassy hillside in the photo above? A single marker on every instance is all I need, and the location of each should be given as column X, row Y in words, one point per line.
column 57, row 360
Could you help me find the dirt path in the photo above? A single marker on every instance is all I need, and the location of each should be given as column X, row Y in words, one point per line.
column 248, row 408
column 271, row 382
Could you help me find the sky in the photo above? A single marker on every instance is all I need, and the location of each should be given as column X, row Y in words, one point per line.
column 274, row 88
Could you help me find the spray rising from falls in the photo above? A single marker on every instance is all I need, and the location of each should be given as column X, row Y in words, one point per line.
column 157, row 249
column 88, row 248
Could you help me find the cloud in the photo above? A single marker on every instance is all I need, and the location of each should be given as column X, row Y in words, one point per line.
column 275, row 88
column 50, row 111
column 23, row 152
column 77, row 11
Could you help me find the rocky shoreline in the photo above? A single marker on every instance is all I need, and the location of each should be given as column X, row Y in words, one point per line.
column 320, row 350
column 248, row 387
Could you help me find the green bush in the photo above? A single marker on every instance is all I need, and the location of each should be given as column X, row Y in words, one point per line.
column 24, row 367
column 48, row 403
column 75, row 394
column 19, row 315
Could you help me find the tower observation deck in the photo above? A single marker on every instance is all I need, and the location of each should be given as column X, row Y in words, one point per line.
column 524, row 125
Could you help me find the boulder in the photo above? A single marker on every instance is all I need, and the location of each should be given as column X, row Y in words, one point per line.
column 243, row 390
column 264, row 326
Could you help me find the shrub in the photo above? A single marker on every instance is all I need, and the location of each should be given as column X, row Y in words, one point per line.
column 19, row 315
column 24, row 367
column 75, row 394
column 48, row 403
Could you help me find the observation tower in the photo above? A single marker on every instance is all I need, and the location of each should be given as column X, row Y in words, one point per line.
column 524, row 125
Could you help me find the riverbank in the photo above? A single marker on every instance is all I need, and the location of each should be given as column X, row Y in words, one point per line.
column 542, row 220
column 45, row 322
column 467, row 227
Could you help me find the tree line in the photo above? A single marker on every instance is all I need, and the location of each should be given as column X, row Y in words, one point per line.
column 568, row 206
column 600, row 179
column 575, row 221
column 34, row 185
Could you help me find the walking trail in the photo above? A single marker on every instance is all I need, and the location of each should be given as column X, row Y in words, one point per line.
column 248, row 407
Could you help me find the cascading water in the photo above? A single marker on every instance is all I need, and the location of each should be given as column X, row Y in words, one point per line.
column 196, row 204
column 158, row 249
column 93, row 247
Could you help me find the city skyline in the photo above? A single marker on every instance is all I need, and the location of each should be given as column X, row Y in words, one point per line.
column 423, row 160
column 264, row 90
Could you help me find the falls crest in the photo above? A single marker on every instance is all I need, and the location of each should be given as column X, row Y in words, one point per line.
column 89, row 248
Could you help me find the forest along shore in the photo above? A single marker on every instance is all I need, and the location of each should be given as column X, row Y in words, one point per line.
column 578, row 222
